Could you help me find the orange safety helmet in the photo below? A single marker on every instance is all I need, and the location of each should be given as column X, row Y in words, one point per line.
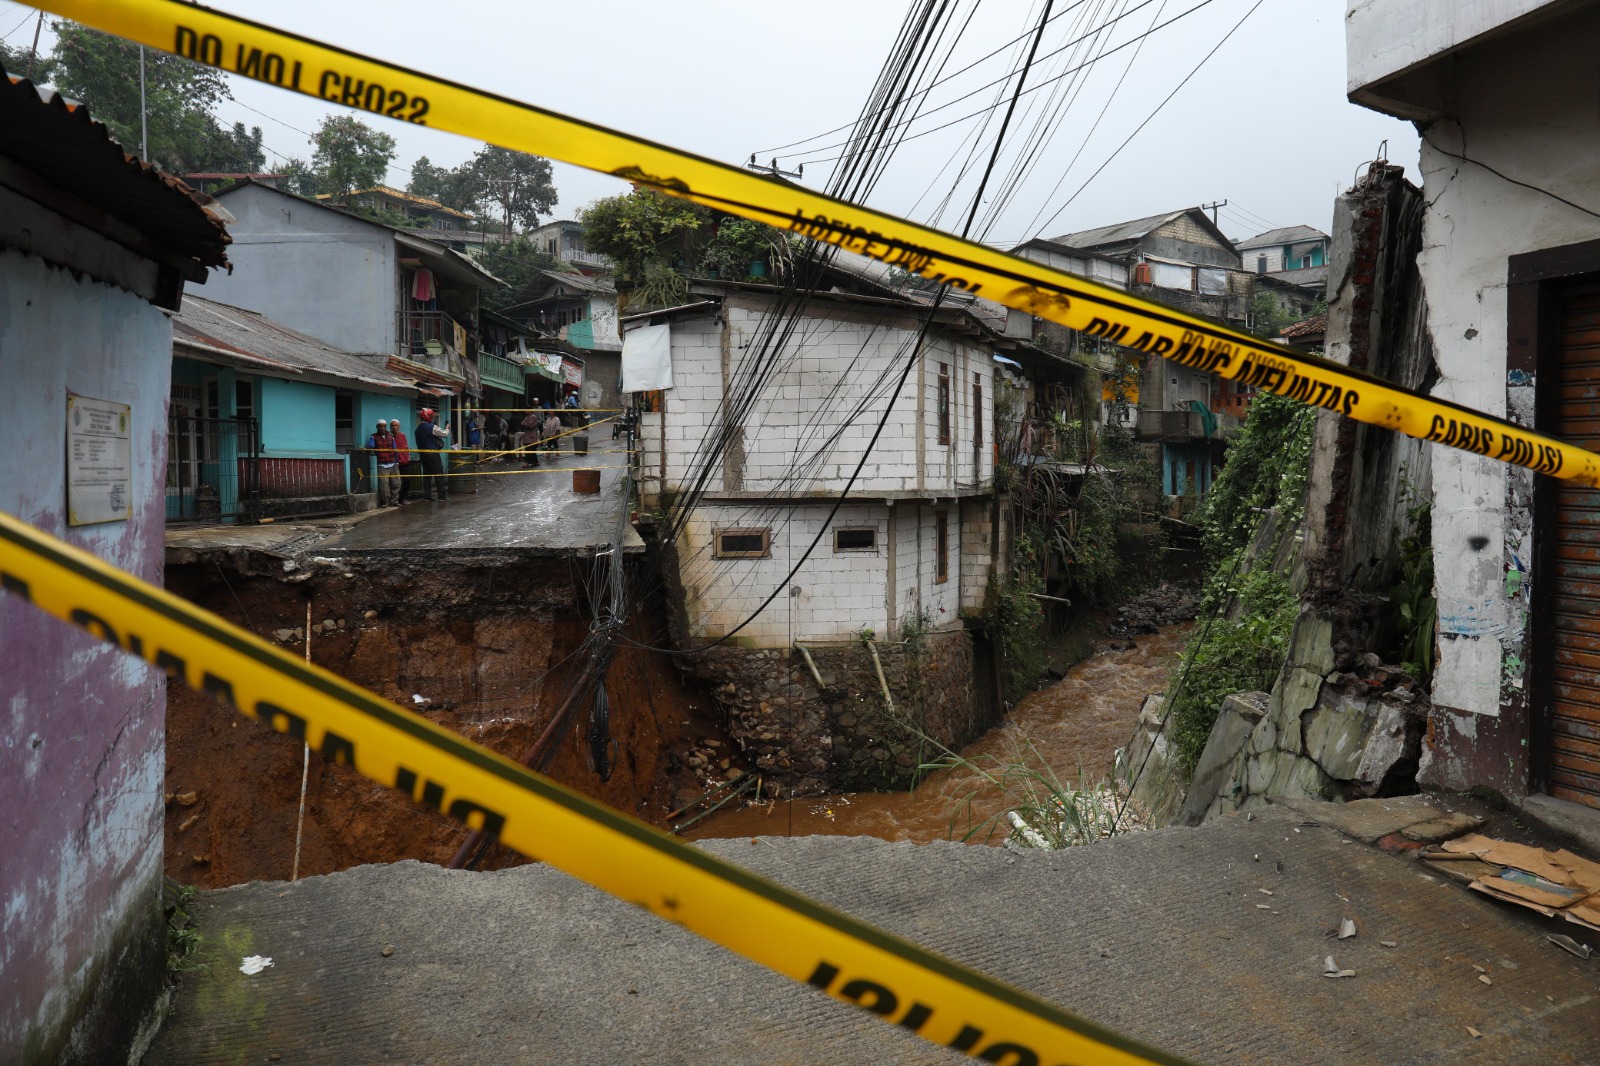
column 427, row 414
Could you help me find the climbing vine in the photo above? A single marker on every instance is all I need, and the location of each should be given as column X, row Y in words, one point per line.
column 1251, row 604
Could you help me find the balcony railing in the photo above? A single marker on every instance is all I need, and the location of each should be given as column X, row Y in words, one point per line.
column 431, row 338
column 501, row 373
column 1174, row 426
column 572, row 255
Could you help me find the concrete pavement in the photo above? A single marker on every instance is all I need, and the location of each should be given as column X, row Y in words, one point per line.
column 1170, row 937
column 511, row 508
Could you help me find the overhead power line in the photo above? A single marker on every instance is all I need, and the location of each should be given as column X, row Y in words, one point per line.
column 1049, row 81
column 1148, row 118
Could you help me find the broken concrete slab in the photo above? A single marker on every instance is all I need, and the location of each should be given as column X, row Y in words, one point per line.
column 529, row 966
column 1365, row 820
column 1446, row 826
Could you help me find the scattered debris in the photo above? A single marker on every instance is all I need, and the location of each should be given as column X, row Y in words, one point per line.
column 1389, row 943
column 254, row 964
column 1550, row 882
column 1473, row 1033
column 187, row 799
column 1265, row 891
column 1566, row 943
column 1347, row 929
column 418, row 698
column 388, row 950
column 1485, row 979
column 1331, row 969
column 188, row 823
column 1263, row 906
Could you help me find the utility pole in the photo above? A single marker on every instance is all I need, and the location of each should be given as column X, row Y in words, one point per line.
column 1212, row 207
column 772, row 168
column 144, row 132
column 34, row 51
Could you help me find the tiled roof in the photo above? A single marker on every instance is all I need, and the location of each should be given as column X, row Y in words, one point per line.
column 1315, row 326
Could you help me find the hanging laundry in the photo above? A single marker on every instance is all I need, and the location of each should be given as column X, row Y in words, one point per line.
column 422, row 287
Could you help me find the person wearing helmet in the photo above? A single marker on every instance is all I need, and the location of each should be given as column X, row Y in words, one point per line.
column 431, row 441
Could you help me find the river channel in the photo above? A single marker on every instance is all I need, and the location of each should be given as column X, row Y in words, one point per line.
column 1070, row 729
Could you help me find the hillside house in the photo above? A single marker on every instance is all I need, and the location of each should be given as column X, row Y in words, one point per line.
column 912, row 547
column 383, row 293
column 418, row 211
column 266, row 421
column 563, row 239
column 95, row 249
column 1284, row 249
column 576, row 314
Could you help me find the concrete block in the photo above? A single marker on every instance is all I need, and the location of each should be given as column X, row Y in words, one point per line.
column 1236, row 721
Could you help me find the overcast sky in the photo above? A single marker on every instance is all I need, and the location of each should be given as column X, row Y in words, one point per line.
column 1264, row 124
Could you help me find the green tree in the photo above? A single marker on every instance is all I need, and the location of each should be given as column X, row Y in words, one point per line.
column 643, row 227
column 517, row 185
column 495, row 183
column 455, row 187
column 349, row 154
column 102, row 72
column 521, row 265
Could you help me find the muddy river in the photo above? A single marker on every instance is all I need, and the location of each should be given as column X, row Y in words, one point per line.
column 1069, row 731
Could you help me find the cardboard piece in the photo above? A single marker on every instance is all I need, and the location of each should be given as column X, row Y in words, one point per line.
column 1554, row 883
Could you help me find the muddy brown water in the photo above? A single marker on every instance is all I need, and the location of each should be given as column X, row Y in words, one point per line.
column 1071, row 729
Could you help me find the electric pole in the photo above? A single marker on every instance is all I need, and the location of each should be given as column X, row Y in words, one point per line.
column 1212, row 207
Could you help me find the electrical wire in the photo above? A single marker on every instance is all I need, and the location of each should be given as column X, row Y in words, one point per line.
column 1109, row 52
column 1148, row 118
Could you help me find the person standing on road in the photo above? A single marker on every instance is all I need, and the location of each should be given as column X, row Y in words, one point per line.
column 552, row 430
column 532, row 427
column 431, row 442
column 405, row 465
column 474, row 432
column 381, row 444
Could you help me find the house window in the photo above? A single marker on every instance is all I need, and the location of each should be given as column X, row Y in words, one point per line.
column 743, row 543
column 1305, row 261
column 551, row 246
column 856, row 540
column 977, row 411
column 244, row 398
column 941, row 547
column 344, row 421
column 944, row 404
column 1261, row 264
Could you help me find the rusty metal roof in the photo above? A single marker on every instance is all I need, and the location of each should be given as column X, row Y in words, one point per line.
column 253, row 342
column 55, row 138
column 1315, row 326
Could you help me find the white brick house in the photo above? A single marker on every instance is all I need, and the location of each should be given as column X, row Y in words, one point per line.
column 913, row 545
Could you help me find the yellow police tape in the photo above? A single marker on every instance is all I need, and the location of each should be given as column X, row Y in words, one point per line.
column 904, row 984
column 353, row 80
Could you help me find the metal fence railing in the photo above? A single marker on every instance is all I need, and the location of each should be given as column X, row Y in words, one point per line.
column 213, row 469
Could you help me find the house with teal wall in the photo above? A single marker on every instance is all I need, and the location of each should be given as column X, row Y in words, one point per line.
column 265, row 418
column 1285, row 249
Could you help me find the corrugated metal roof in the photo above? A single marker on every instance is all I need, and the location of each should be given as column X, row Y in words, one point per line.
column 1304, row 276
column 603, row 285
column 274, row 349
column 1117, row 233
column 1283, row 235
column 57, row 139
